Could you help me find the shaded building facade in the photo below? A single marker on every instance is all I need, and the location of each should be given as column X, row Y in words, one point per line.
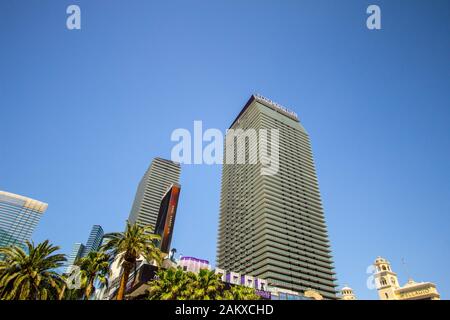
column 158, row 178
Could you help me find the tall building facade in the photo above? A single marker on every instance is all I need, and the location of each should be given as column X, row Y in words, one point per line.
column 19, row 216
column 80, row 250
column 95, row 239
column 273, row 226
column 77, row 252
column 158, row 178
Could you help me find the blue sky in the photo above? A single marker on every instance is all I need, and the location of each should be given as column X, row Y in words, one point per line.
column 82, row 114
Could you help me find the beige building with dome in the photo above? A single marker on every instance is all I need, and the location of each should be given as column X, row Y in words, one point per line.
column 389, row 288
column 347, row 293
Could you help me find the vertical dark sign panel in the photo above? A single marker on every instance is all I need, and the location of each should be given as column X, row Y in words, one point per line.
column 166, row 218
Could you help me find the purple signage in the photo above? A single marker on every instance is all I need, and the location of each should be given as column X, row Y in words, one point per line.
column 195, row 260
column 263, row 294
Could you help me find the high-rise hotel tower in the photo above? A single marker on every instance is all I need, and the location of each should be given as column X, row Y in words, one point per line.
column 160, row 176
column 19, row 217
column 272, row 226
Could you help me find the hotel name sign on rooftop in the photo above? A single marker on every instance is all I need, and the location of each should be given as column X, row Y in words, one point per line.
column 277, row 107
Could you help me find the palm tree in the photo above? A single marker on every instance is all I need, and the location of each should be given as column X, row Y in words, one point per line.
column 72, row 294
column 30, row 274
column 175, row 284
column 135, row 242
column 206, row 285
column 240, row 293
column 93, row 267
column 171, row 284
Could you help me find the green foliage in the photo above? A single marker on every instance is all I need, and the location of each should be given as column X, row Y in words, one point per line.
column 171, row 284
column 73, row 294
column 29, row 274
column 240, row 293
column 175, row 284
column 93, row 268
column 136, row 241
column 206, row 285
column 133, row 243
column 32, row 275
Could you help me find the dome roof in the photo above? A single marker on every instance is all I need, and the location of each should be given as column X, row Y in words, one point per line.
column 380, row 260
column 346, row 288
column 410, row 283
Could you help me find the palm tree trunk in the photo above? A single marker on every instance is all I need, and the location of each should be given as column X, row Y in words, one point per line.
column 89, row 289
column 61, row 293
column 124, row 280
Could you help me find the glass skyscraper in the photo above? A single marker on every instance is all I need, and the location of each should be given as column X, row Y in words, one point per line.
column 77, row 252
column 95, row 240
column 19, row 217
column 272, row 226
column 80, row 250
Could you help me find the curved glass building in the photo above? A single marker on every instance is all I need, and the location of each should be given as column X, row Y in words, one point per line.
column 19, row 217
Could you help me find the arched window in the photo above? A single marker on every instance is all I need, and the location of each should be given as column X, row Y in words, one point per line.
column 387, row 296
column 393, row 281
column 383, row 281
column 384, row 268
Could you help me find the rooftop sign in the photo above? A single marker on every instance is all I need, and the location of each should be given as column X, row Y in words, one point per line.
column 276, row 106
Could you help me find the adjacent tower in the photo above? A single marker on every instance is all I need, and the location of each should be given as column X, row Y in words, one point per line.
column 95, row 239
column 160, row 176
column 19, row 217
column 77, row 253
column 389, row 288
column 80, row 250
column 272, row 226
column 386, row 279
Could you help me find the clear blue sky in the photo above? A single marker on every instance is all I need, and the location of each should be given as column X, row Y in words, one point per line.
column 82, row 114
